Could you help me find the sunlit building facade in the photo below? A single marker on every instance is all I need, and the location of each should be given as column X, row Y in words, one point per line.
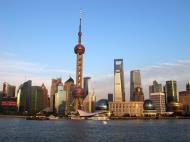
column 8, row 90
column 54, row 85
column 155, row 88
column 119, row 89
column 130, row 109
column 60, row 100
column 159, row 102
column 69, row 86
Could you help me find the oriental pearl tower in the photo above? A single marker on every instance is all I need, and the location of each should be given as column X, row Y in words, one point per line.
column 78, row 91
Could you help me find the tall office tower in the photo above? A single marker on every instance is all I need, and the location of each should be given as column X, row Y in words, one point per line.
column 54, row 85
column 155, row 88
column 135, row 81
column 78, row 92
column 45, row 97
column 23, row 96
column 188, row 86
column 119, row 87
column 69, row 87
column 8, row 90
column 110, row 97
column 158, row 99
column 60, row 99
column 86, row 86
column 36, row 99
column 171, row 92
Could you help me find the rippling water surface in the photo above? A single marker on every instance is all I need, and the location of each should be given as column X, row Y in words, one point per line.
column 20, row 130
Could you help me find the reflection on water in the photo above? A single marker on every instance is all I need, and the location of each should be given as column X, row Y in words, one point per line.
column 20, row 130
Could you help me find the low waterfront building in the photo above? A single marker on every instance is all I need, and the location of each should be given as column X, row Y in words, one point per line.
column 134, row 109
column 184, row 99
column 8, row 105
column 149, row 109
column 158, row 99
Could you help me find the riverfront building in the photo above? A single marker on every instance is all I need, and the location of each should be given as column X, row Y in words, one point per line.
column 184, row 99
column 158, row 99
column 132, row 109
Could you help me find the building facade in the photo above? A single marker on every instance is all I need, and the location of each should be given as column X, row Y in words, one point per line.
column 36, row 100
column 110, row 97
column 8, row 90
column 184, row 99
column 54, row 85
column 171, row 91
column 119, row 87
column 155, row 88
column 69, row 87
column 24, row 96
column 130, row 109
column 159, row 102
column 135, row 81
column 138, row 95
column 60, row 100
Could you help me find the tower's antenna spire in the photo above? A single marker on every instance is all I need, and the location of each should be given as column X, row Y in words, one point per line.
column 80, row 32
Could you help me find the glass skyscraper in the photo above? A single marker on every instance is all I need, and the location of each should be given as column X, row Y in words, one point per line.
column 119, row 88
column 135, row 82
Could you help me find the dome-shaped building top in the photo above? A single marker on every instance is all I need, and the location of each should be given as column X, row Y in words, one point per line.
column 102, row 104
column 148, row 105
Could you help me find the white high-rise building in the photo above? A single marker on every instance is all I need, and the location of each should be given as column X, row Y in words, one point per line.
column 159, row 102
column 60, row 99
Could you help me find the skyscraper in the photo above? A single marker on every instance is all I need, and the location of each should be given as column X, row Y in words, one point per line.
column 69, row 87
column 24, row 96
column 171, row 91
column 78, row 92
column 54, row 85
column 36, row 99
column 86, row 86
column 135, row 81
column 60, row 99
column 155, row 88
column 119, row 88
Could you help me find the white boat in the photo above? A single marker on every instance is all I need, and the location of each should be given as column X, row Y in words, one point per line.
column 52, row 117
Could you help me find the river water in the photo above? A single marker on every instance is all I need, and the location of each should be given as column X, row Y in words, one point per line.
column 21, row 130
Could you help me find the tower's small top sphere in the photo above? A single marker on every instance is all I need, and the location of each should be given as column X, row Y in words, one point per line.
column 79, row 49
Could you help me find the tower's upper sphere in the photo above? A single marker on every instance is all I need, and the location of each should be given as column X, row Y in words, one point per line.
column 79, row 49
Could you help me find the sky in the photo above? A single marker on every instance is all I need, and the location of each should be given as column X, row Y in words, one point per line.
column 37, row 39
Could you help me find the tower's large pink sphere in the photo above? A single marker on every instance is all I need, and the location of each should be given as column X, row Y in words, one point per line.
column 78, row 92
column 79, row 49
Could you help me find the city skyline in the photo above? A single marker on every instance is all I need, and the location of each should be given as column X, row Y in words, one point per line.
column 37, row 41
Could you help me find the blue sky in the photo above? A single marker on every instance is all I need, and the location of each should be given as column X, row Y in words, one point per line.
column 44, row 32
